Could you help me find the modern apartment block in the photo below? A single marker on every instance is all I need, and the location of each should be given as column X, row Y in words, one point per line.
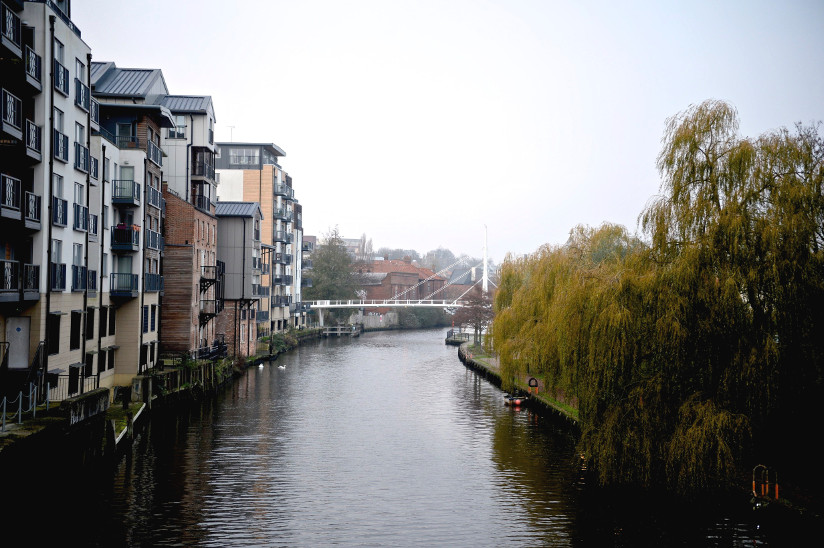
column 250, row 172
column 49, row 208
column 239, row 248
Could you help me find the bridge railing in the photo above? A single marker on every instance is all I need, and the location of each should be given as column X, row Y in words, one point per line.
column 378, row 303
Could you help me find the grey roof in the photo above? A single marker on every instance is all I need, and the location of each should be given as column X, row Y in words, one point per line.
column 371, row 278
column 273, row 148
column 237, row 209
column 188, row 103
column 461, row 276
column 110, row 81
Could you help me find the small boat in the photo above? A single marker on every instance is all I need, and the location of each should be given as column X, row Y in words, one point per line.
column 514, row 401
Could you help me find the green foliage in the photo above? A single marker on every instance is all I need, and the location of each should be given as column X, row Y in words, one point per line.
column 689, row 350
column 331, row 271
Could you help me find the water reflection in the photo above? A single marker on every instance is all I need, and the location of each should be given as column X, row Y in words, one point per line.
column 385, row 440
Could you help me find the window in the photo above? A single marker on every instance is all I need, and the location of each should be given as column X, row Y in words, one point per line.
column 79, row 134
column 110, row 364
column 74, row 338
column 145, row 319
column 89, row 323
column 53, row 333
column 89, row 369
column 77, row 254
column 101, row 364
column 105, row 264
column 243, row 332
column 58, row 120
column 58, row 51
column 57, row 251
column 79, row 194
column 80, row 70
column 112, row 320
column 154, row 316
column 179, row 131
column 104, row 320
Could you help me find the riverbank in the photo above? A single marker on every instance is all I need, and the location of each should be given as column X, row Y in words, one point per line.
column 538, row 396
column 100, row 424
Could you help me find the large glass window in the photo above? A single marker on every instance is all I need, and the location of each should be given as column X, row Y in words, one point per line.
column 179, row 131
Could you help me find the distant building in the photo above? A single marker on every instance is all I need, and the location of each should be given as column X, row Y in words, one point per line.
column 250, row 172
column 398, row 279
column 239, row 248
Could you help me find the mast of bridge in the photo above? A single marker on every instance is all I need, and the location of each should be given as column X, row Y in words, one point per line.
column 485, row 284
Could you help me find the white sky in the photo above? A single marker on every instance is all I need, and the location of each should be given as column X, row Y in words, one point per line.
column 419, row 122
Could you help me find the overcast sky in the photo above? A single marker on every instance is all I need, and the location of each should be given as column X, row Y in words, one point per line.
column 419, row 122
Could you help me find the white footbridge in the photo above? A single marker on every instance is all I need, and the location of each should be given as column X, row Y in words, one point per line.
column 401, row 300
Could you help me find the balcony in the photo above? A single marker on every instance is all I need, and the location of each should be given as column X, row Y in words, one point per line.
column 60, row 146
column 264, row 268
column 80, row 277
column 12, row 115
column 127, row 141
column 307, row 264
column 154, row 197
column 155, row 154
column 19, row 281
column 60, row 211
column 203, row 169
column 202, row 203
column 260, row 291
column 283, row 214
column 281, row 300
column 283, row 258
column 210, row 275
column 10, row 34
column 9, row 197
column 262, row 316
column 125, row 238
column 34, row 70
column 94, row 110
column 81, row 218
column 282, row 236
column 153, row 283
column 308, row 246
column 306, row 282
column 154, row 240
column 34, row 141
column 126, row 193
column 31, row 211
column 82, row 97
column 256, row 263
column 287, row 279
column 61, row 78
column 123, row 285
column 81, row 158
column 58, row 276
column 209, row 309
column 282, row 189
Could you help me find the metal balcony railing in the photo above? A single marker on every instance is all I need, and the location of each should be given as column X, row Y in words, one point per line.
column 58, row 276
column 203, row 169
column 60, row 211
column 81, row 218
column 60, row 146
column 93, row 225
column 127, row 141
column 10, row 29
column 81, row 158
column 82, row 97
column 61, row 78
column 79, row 277
column 123, row 284
column 125, row 192
column 155, row 154
column 12, row 114
column 153, row 282
column 202, row 202
column 94, row 110
column 94, row 167
column 154, row 197
column 9, row 276
column 31, row 277
column 10, row 192
column 91, row 284
column 125, row 238
column 32, row 207
column 154, row 240
column 34, row 137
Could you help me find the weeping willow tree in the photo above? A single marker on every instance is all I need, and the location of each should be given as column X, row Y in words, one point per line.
column 701, row 347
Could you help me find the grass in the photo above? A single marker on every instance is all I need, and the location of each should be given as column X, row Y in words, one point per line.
column 119, row 415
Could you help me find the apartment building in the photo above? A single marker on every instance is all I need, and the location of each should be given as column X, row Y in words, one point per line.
column 49, row 212
column 250, row 172
column 239, row 248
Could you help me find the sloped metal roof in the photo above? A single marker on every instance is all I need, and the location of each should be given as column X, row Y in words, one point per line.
column 187, row 103
column 110, row 80
column 237, row 209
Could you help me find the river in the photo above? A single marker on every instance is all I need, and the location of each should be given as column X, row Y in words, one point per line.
column 382, row 440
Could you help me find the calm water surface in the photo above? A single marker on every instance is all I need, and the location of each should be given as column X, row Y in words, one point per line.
column 383, row 440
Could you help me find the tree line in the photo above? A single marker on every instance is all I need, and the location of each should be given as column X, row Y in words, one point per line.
column 696, row 350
